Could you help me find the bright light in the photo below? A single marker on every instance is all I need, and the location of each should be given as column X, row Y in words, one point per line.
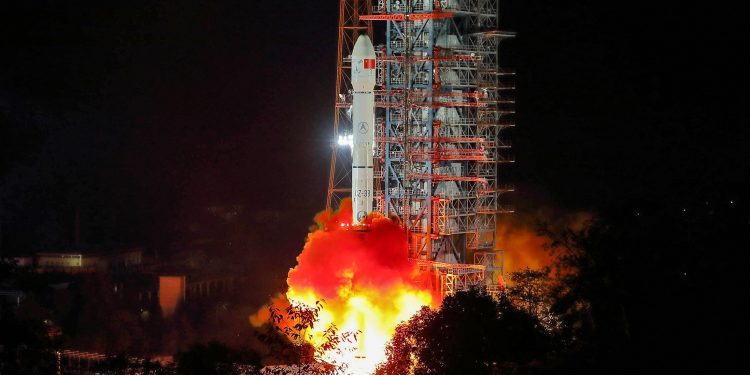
column 368, row 284
column 346, row 140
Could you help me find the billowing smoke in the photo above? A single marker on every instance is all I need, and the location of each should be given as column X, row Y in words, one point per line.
column 367, row 283
column 522, row 243
column 364, row 277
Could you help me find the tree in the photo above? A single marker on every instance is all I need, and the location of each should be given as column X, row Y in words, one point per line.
column 529, row 289
column 295, row 323
column 652, row 284
column 532, row 291
column 406, row 345
column 470, row 334
column 592, row 290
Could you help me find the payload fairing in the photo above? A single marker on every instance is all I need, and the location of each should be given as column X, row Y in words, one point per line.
column 363, row 127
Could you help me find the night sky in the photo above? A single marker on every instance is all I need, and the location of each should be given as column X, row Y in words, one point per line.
column 142, row 114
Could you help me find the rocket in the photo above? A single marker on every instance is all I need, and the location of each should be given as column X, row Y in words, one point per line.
column 363, row 127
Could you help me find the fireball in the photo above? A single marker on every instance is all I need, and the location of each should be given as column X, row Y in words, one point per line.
column 365, row 279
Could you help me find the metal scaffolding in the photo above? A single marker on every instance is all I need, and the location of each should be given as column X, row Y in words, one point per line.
column 443, row 106
column 350, row 27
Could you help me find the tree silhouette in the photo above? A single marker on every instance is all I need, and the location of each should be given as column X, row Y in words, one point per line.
column 295, row 322
column 593, row 289
column 532, row 291
column 470, row 334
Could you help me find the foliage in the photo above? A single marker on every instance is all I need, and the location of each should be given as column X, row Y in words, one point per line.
column 296, row 322
column 532, row 291
column 529, row 289
column 651, row 284
column 593, row 288
column 470, row 334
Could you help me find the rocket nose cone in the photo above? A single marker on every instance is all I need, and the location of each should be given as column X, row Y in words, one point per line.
column 363, row 47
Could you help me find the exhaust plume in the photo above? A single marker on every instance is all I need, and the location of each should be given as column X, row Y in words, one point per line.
column 365, row 279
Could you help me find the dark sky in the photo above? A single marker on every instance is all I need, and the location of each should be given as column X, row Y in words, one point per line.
column 141, row 113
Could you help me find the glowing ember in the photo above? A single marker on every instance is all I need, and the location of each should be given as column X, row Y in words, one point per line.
column 365, row 278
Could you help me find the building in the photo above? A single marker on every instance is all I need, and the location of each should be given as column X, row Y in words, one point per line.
column 121, row 259
column 60, row 262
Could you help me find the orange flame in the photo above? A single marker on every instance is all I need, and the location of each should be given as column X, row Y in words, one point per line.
column 365, row 278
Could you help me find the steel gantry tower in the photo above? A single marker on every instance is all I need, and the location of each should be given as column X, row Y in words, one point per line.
column 443, row 105
column 350, row 27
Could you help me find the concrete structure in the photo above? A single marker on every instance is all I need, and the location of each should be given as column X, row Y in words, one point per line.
column 75, row 262
column 63, row 262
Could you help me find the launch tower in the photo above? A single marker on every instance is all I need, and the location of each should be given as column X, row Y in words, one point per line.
column 443, row 108
column 349, row 29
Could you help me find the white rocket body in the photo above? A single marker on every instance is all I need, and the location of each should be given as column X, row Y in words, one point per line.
column 363, row 127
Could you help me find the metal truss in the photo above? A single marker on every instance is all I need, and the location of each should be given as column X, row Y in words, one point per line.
column 350, row 26
column 443, row 106
column 454, row 277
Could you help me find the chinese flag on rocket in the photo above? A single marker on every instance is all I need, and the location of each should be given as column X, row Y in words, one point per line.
column 369, row 63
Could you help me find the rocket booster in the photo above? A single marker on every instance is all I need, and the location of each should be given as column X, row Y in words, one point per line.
column 363, row 127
